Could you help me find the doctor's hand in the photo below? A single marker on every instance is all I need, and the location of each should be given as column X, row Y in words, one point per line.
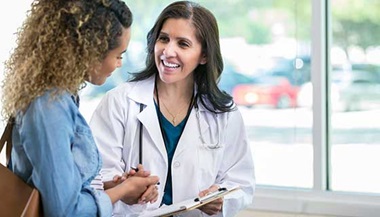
column 131, row 190
column 213, row 207
column 138, row 171
column 151, row 193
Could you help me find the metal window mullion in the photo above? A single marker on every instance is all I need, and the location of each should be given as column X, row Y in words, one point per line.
column 319, row 66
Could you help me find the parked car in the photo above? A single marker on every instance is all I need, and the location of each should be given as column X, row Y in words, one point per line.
column 366, row 67
column 296, row 70
column 231, row 77
column 273, row 91
column 357, row 90
column 350, row 91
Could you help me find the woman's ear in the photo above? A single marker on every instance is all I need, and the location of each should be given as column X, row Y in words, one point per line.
column 203, row 60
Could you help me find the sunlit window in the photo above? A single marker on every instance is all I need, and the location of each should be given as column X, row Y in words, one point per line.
column 272, row 48
column 355, row 96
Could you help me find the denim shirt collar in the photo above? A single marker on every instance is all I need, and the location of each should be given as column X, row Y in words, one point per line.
column 76, row 99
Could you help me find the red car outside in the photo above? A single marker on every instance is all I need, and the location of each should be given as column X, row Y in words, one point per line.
column 273, row 91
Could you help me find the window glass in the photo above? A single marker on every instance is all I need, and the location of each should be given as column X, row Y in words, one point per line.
column 266, row 50
column 355, row 96
column 270, row 44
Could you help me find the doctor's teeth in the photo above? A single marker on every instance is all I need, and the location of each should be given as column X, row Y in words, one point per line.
column 171, row 65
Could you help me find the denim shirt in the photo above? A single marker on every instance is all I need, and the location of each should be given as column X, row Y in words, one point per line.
column 53, row 150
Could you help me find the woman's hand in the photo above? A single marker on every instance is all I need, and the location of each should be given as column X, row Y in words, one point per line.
column 138, row 171
column 133, row 189
column 149, row 195
column 213, row 207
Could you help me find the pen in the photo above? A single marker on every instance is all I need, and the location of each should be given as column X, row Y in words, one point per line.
column 137, row 170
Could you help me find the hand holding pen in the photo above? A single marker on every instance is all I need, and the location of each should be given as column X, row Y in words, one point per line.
column 138, row 171
column 151, row 191
column 213, row 207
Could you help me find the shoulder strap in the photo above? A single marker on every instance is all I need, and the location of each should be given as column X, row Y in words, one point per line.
column 7, row 138
column 140, row 138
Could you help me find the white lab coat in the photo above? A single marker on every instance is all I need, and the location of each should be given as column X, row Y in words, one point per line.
column 195, row 167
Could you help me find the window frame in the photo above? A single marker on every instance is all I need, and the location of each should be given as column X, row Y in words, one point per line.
column 318, row 200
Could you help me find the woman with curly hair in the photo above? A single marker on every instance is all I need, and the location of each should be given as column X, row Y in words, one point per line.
column 62, row 44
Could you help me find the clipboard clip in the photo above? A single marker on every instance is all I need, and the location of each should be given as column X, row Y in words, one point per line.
column 208, row 196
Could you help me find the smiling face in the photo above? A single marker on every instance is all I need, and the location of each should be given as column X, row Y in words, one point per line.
column 112, row 60
column 177, row 51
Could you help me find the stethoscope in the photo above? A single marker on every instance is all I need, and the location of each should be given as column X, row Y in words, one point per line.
column 208, row 145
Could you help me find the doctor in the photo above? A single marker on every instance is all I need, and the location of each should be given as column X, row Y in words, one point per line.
column 192, row 135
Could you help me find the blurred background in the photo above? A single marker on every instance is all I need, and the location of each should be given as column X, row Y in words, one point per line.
column 268, row 49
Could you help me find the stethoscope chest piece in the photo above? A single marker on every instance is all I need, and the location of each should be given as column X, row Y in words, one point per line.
column 212, row 145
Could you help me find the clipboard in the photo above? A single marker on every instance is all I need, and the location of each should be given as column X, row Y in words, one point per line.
column 189, row 204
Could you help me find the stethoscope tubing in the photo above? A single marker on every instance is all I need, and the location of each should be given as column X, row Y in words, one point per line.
column 208, row 145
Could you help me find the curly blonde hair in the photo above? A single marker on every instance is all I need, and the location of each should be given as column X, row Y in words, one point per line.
column 57, row 45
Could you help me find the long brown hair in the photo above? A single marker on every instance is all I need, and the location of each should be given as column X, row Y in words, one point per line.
column 206, row 76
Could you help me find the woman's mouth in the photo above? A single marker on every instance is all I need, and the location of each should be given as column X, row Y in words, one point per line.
column 169, row 65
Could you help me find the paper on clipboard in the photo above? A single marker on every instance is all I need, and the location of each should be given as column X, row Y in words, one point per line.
column 189, row 204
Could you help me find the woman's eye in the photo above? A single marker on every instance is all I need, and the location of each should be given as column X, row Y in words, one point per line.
column 163, row 38
column 119, row 58
column 183, row 44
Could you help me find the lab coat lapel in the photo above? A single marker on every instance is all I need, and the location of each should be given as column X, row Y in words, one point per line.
column 143, row 93
column 150, row 123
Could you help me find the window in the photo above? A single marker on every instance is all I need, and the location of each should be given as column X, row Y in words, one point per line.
column 355, row 96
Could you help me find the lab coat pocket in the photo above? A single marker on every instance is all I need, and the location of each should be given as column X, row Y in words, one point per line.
column 209, row 159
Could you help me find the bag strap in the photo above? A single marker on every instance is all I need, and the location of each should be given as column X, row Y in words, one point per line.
column 7, row 138
column 140, row 138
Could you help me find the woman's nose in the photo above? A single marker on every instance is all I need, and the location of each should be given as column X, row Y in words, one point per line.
column 169, row 50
